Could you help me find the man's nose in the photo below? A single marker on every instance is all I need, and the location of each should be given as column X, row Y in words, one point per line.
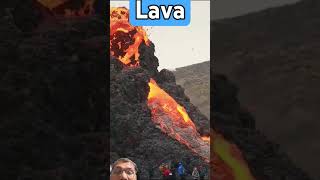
column 123, row 176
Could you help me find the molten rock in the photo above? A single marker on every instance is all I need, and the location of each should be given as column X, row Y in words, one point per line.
column 147, row 127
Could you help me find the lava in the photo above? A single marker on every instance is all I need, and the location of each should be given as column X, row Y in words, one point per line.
column 125, row 39
column 227, row 160
column 173, row 120
column 60, row 7
column 169, row 105
column 169, row 116
column 206, row 138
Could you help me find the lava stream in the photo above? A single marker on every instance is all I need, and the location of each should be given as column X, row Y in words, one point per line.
column 174, row 121
column 227, row 160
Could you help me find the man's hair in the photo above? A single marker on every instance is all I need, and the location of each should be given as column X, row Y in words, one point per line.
column 125, row 160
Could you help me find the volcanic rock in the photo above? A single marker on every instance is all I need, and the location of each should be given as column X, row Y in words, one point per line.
column 133, row 133
column 272, row 56
column 53, row 86
column 265, row 158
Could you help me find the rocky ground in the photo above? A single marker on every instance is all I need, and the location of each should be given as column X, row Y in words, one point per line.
column 266, row 159
column 52, row 90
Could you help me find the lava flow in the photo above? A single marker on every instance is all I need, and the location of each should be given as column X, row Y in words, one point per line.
column 227, row 160
column 174, row 121
column 125, row 39
column 170, row 117
column 61, row 7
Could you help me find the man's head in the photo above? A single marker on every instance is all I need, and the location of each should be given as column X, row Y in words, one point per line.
column 124, row 169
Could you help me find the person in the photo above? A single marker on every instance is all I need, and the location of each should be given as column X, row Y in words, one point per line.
column 124, row 169
column 166, row 172
column 181, row 171
column 173, row 171
column 195, row 173
column 161, row 169
column 202, row 172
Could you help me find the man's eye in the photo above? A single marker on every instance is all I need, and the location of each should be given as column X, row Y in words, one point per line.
column 117, row 171
column 129, row 172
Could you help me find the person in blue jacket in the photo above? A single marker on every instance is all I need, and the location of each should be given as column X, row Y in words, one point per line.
column 181, row 171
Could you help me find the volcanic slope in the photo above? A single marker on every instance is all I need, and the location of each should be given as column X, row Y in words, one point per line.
column 238, row 125
column 267, row 161
column 195, row 79
column 152, row 120
column 273, row 57
column 174, row 127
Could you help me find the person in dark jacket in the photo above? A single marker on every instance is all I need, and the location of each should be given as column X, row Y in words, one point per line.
column 173, row 171
column 202, row 172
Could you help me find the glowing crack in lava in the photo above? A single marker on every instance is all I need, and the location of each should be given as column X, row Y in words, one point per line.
column 59, row 7
column 174, row 121
column 125, row 39
column 206, row 138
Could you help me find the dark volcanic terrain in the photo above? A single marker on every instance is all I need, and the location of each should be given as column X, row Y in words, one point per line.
column 52, row 90
column 273, row 57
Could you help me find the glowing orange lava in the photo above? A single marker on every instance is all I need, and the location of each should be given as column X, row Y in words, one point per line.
column 125, row 39
column 170, row 117
column 168, row 105
column 227, row 160
column 206, row 138
column 173, row 120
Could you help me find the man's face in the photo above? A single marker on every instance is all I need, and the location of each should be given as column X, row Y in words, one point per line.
column 123, row 171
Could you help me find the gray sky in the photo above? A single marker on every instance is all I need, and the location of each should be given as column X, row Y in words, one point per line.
column 186, row 45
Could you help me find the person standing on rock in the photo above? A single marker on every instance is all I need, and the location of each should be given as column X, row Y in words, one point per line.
column 173, row 171
column 181, row 171
column 195, row 173
column 124, row 169
column 202, row 172
column 166, row 172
